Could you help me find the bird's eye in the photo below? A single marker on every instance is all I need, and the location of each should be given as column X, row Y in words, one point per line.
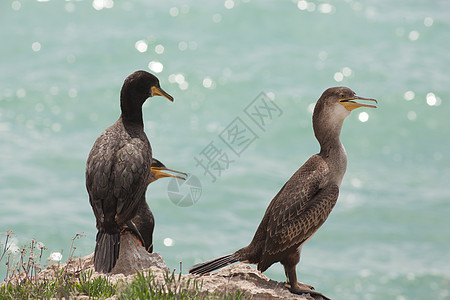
column 341, row 95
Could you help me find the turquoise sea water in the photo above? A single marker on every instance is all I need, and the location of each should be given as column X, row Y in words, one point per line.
column 62, row 66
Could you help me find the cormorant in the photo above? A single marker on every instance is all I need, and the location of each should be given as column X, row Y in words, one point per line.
column 143, row 223
column 118, row 168
column 305, row 201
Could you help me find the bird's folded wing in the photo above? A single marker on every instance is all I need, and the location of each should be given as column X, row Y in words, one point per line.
column 98, row 173
column 301, row 207
column 130, row 172
column 299, row 224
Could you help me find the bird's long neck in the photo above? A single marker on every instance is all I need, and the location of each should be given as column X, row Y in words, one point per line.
column 329, row 139
column 331, row 149
column 131, row 110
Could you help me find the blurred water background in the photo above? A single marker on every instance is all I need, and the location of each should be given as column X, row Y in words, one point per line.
column 62, row 67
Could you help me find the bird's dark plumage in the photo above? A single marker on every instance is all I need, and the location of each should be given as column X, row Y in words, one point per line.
column 118, row 168
column 144, row 222
column 304, row 203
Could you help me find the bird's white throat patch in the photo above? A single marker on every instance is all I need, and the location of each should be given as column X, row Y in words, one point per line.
column 340, row 111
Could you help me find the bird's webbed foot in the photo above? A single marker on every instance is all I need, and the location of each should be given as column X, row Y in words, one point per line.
column 301, row 288
column 305, row 286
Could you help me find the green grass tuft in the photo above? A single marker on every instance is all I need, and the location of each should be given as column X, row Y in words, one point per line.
column 146, row 287
column 22, row 280
column 98, row 287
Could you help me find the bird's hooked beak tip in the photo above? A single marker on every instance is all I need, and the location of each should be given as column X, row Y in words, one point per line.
column 157, row 91
column 161, row 172
column 350, row 105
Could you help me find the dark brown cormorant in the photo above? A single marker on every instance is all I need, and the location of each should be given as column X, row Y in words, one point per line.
column 305, row 201
column 143, row 223
column 118, row 168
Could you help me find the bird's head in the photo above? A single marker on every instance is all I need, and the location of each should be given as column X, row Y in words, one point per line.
column 333, row 107
column 338, row 102
column 158, row 170
column 135, row 90
column 141, row 85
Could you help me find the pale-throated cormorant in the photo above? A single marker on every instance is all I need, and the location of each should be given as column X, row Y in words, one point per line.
column 118, row 168
column 305, row 201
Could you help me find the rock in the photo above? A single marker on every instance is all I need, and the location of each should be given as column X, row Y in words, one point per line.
column 251, row 282
column 133, row 257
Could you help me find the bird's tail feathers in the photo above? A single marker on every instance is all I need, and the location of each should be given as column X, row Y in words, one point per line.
column 106, row 251
column 214, row 264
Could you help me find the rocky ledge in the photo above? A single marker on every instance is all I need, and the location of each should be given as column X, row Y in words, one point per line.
column 242, row 278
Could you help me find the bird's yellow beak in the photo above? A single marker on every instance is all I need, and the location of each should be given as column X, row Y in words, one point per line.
column 157, row 91
column 350, row 105
column 161, row 173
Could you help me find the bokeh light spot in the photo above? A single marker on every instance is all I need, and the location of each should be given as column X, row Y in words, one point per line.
column 326, row 8
column 433, row 100
column 193, row 45
column 73, row 93
column 182, row 45
column 36, row 46
column 414, row 35
column 179, row 78
column 323, row 55
column 428, row 21
column 409, row 95
column 155, row 66
column 70, row 7
column 173, row 11
column 101, row 4
column 159, row 49
column 168, row 242
column 16, row 5
column 217, row 18
column 363, row 117
column 338, row 76
column 183, row 86
column 229, row 4
column 141, row 46
column 411, row 115
column 355, row 182
column 55, row 256
column 208, row 83
column 21, row 93
column 346, row 71
column 56, row 127
column 302, row 5
column 311, row 6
